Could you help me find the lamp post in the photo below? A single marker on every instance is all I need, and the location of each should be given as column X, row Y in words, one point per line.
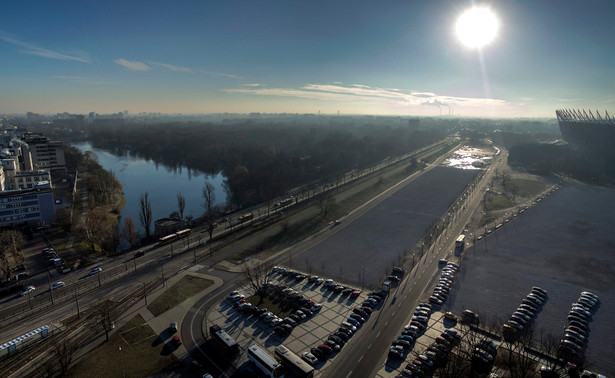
column 122, row 360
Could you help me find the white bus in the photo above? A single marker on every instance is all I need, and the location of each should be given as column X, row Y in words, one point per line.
column 293, row 363
column 460, row 243
column 267, row 364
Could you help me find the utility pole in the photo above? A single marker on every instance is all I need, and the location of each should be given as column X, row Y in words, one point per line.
column 144, row 293
column 77, row 302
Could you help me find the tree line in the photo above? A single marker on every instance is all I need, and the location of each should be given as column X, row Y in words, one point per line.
column 563, row 159
column 262, row 161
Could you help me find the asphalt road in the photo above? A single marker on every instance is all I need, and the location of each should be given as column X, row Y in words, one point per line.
column 369, row 352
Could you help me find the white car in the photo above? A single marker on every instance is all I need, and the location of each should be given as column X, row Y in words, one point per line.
column 27, row 290
column 309, row 358
column 316, row 307
column 56, row 285
column 232, row 294
column 95, row 270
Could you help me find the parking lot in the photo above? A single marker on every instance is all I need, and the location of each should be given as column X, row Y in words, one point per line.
column 436, row 325
column 311, row 332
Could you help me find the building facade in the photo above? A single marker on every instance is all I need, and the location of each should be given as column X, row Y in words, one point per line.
column 33, row 207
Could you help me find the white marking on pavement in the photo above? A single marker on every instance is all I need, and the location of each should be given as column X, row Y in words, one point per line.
column 360, row 358
column 378, row 335
column 369, row 346
column 348, row 375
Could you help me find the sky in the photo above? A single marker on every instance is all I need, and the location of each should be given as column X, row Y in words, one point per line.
column 353, row 57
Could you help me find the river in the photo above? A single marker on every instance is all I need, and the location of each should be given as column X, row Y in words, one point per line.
column 162, row 184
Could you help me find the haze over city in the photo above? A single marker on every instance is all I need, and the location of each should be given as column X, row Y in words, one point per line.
column 354, row 57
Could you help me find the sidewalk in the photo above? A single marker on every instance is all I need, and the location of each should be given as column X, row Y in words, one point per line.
column 161, row 322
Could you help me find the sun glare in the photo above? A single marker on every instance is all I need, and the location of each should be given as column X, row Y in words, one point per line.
column 477, row 27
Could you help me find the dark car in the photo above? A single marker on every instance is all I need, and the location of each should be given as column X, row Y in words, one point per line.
column 360, row 312
column 347, row 291
column 327, row 350
column 139, row 254
column 295, row 317
column 291, row 322
column 345, row 331
column 319, row 354
column 342, row 335
column 338, row 289
column 404, row 343
column 336, row 339
column 283, row 330
column 357, row 317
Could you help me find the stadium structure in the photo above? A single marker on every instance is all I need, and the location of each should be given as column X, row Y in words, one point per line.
column 586, row 130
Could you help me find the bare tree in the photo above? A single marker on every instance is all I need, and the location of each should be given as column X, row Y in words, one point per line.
column 257, row 275
column 181, row 204
column 130, row 232
column 104, row 316
column 93, row 228
column 145, row 214
column 211, row 210
column 327, row 205
column 11, row 242
column 62, row 353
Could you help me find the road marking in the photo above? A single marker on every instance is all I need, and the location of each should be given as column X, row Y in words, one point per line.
column 385, row 324
column 348, row 375
column 393, row 313
column 360, row 358
column 369, row 346
column 378, row 335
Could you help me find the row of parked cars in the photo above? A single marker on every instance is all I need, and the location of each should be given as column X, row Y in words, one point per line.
column 347, row 329
column 411, row 331
column 282, row 326
column 434, row 356
column 483, row 355
column 573, row 342
column 525, row 313
column 440, row 293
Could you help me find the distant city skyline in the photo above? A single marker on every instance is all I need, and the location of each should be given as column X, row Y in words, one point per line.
column 359, row 57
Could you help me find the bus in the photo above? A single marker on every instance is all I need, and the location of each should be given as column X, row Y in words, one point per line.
column 224, row 339
column 167, row 239
column 246, row 217
column 263, row 360
column 460, row 243
column 183, row 233
column 293, row 363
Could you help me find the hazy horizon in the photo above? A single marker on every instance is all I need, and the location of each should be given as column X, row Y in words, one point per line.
column 358, row 58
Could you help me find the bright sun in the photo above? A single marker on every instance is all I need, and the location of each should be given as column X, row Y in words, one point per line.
column 476, row 27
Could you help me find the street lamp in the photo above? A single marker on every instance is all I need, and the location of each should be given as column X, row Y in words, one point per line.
column 122, row 360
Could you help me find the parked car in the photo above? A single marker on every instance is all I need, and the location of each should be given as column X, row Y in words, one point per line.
column 309, row 358
column 290, row 321
column 325, row 349
column 360, row 312
column 316, row 307
column 319, row 354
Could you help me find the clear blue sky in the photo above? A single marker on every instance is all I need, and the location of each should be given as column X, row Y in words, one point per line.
column 359, row 57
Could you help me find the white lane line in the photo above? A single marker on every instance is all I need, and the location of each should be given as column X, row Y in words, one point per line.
column 360, row 358
column 386, row 324
column 348, row 375
column 393, row 313
column 378, row 335
column 369, row 346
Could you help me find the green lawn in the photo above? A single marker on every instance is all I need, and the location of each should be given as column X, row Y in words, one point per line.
column 498, row 202
column 143, row 354
column 176, row 294
column 525, row 188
